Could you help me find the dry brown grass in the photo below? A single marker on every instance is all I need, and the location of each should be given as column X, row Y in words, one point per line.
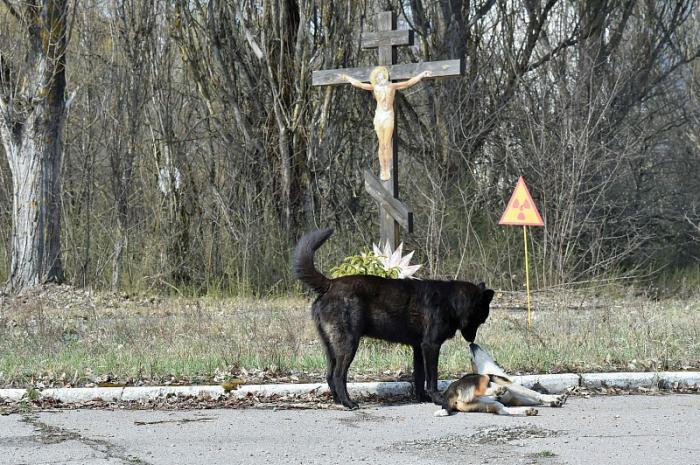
column 63, row 336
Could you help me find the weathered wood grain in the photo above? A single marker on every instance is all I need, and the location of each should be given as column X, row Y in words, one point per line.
column 387, row 38
column 386, row 53
column 399, row 211
column 330, row 77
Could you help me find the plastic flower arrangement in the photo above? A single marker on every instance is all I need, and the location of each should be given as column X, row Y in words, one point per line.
column 384, row 263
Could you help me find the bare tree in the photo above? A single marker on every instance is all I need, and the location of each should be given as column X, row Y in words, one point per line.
column 253, row 58
column 32, row 112
column 133, row 24
column 196, row 150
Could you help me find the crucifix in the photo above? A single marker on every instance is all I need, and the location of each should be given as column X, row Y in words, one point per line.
column 385, row 190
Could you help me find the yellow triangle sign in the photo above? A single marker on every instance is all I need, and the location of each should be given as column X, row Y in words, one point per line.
column 521, row 210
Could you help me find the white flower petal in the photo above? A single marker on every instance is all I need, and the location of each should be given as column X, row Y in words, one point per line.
column 395, row 259
column 407, row 259
column 409, row 271
column 387, row 250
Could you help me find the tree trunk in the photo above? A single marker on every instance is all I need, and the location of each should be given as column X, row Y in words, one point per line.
column 31, row 127
column 286, row 48
column 36, row 206
column 35, row 162
column 120, row 244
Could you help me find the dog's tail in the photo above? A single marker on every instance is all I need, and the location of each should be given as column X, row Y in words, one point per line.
column 303, row 261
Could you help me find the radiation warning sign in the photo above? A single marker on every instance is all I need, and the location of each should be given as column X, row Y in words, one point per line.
column 521, row 210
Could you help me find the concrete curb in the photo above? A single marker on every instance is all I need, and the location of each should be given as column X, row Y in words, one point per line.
column 554, row 383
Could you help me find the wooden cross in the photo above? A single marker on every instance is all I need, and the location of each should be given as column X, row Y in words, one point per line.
column 392, row 212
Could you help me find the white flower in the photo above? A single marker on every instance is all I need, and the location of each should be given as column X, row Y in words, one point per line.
column 395, row 260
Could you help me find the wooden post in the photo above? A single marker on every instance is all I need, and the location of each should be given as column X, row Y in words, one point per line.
column 389, row 231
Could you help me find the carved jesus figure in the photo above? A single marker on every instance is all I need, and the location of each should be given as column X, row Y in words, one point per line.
column 384, row 92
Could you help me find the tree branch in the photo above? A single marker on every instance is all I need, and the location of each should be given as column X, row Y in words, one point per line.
column 480, row 13
column 620, row 29
column 564, row 44
column 534, row 31
column 694, row 225
column 12, row 10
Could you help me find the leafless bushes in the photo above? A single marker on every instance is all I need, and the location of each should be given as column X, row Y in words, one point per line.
column 195, row 150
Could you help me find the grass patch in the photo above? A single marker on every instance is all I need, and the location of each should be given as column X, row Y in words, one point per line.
column 69, row 337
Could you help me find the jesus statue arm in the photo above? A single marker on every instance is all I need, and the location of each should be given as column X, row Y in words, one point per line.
column 414, row 80
column 355, row 83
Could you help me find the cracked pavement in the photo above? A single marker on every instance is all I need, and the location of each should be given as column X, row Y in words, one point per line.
column 629, row 429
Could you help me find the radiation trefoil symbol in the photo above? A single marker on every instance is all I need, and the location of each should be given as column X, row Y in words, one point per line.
column 521, row 210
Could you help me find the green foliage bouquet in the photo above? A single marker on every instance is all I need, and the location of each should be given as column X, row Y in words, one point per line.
column 386, row 264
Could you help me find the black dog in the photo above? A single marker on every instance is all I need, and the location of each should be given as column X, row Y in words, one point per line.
column 422, row 314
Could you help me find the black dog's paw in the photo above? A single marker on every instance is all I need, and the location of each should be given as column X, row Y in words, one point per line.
column 350, row 405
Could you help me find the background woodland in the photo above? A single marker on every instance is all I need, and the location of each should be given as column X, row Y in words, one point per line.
column 195, row 151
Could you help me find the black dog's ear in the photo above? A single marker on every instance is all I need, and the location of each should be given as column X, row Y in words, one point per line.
column 482, row 286
column 487, row 296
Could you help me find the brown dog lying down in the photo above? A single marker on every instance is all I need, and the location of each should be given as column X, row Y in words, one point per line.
column 490, row 389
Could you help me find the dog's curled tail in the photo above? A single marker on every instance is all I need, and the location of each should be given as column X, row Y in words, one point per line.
column 303, row 261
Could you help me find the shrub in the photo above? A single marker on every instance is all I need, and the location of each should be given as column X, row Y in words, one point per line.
column 367, row 263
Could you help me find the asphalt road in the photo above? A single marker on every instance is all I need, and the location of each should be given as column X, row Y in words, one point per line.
column 599, row 430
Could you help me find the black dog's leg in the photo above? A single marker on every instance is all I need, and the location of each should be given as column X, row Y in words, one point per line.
column 330, row 362
column 340, row 376
column 330, row 367
column 339, row 324
column 329, row 379
column 419, row 375
column 431, row 353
